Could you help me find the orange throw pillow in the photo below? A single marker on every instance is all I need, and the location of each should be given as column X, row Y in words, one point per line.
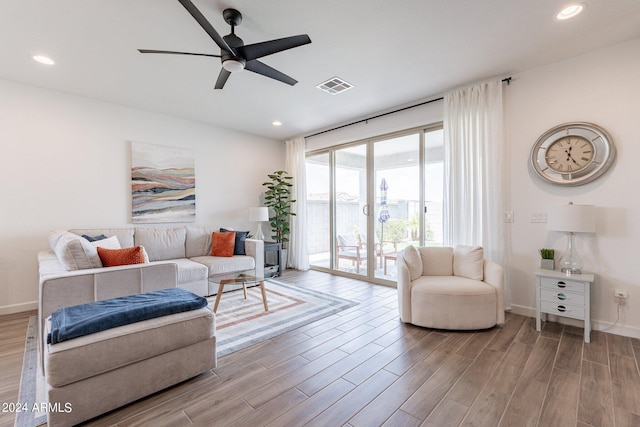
column 222, row 244
column 126, row 256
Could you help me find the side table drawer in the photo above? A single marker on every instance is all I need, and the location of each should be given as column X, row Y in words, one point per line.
column 562, row 297
column 562, row 284
column 562, row 309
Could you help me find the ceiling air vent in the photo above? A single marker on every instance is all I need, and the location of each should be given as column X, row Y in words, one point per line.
column 334, row 86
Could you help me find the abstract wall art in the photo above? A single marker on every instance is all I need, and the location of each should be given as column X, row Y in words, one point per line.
column 163, row 184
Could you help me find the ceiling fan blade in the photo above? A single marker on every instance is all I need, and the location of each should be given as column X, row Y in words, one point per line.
column 262, row 68
column 170, row 52
column 199, row 17
column 222, row 78
column 258, row 50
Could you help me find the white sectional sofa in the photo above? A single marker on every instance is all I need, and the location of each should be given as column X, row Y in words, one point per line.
column 175, row 348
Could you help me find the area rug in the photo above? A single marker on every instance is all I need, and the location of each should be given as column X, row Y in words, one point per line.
column 239, row 323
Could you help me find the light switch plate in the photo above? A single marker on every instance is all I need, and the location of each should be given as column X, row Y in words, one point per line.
column 538, row 216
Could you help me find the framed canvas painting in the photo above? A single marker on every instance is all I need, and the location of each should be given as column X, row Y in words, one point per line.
column 163, row 184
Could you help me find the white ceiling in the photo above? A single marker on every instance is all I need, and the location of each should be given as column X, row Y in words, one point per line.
column 393, row 52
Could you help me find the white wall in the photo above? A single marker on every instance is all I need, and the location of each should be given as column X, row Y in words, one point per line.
column 602, row 88
column 65, row 162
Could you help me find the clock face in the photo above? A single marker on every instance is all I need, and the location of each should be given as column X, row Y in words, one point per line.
column 572, row 154
column 569, row 154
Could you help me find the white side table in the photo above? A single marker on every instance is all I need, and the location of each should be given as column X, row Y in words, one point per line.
column 564, row 295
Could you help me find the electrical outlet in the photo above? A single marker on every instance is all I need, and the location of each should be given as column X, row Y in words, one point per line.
column 621, row 293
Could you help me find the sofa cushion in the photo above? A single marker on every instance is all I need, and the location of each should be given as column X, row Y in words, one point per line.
column 104, row 351
column 125, row 235
column 437, row 261
column 162, row 243
column 198, row 241
column 468, row 261
column 453, row 302
column 126, row 256
column 218, row 265
column 190, row 271
column 74, row 252
column 222, row 244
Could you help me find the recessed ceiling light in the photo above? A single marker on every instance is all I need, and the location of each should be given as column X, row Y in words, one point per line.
column 43, row 59
column 276, row 123
column 571, row 11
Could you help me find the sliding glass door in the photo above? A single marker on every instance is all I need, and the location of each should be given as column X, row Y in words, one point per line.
column 397, row 200
column 368, row 201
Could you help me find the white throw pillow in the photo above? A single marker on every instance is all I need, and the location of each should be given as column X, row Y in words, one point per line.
column 468, row 261
column 75, row 252
column 108, row 243
column 413, row 260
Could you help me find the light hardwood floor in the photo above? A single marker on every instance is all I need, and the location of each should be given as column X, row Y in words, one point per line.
column 363, row 367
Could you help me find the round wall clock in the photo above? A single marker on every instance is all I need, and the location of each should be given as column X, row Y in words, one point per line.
column 572, row 153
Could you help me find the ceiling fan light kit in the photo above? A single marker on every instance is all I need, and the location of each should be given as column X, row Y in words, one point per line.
column 234, row 54
column 233, row 66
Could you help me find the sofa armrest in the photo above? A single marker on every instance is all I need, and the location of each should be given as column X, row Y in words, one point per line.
column 494, row 276
column 255, row 248
column 404, row 288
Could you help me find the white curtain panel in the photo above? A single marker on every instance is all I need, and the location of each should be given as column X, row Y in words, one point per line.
column 298, row 256
column 474, row 171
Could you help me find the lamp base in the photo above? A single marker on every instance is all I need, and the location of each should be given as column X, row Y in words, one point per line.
column 259, row 235
column 570, row 263
column 571, row 270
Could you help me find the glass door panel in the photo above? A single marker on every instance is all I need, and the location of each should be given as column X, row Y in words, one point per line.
column 397, row 195
column 350, row 198
column 318, row 210
column 433, row 187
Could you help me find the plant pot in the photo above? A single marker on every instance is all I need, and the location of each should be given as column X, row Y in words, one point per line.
column 285, row 254
column 547, row 264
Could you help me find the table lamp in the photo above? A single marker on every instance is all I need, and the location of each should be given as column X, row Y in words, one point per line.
column 572, row 219
column 259, row 214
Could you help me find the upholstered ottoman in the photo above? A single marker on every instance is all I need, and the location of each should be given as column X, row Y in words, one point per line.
column 95, row 373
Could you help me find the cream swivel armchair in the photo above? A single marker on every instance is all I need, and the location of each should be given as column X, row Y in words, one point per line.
column 443, row 288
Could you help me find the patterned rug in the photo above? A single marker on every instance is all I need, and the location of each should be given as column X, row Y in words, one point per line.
column 239, row 324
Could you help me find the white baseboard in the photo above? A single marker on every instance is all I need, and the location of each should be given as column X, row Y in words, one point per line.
column 596, row 325
column 18, row 308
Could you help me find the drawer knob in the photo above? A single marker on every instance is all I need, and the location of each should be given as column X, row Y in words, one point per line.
column 562, row 296
column 562, row 285
column 562, row 308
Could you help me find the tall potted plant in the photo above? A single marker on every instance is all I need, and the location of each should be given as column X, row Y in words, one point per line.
column 278, row 198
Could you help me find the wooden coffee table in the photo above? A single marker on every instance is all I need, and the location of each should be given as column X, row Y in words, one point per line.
column 238, row 277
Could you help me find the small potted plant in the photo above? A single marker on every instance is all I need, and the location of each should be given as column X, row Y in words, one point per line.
column 547, row 261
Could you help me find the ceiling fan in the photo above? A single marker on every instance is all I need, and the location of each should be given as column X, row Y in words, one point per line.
column 234, row 54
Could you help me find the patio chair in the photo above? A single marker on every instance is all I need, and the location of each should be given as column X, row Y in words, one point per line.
column 350, row 249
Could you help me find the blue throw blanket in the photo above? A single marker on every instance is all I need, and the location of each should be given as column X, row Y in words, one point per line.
column 84, row 319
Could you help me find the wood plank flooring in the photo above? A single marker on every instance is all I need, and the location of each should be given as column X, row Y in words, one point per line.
column 363, row 367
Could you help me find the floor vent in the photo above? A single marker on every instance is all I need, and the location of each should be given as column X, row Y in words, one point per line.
column 334, row 86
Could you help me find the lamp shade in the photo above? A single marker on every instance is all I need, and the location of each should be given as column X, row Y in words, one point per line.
column 259, row 214
column 572, row 218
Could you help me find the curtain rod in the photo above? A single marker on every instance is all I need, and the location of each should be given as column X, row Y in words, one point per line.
column 506, row 80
